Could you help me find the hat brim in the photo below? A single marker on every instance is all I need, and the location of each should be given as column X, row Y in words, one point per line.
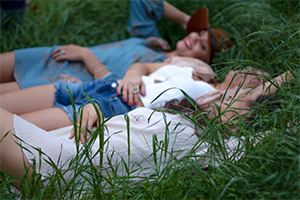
column 200, row 21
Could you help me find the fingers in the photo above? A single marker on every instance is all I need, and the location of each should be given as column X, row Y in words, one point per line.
column 165, row 45
column 85, row 122
column 161, row 42
column 119, row 88
column 130, row 93
column 72, row 134
column 126, row 91
column 59, row 53
column 83, row 133
column 142, row 89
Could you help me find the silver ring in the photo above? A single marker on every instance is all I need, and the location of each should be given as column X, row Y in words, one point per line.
column 135, row 89
column 62, row 52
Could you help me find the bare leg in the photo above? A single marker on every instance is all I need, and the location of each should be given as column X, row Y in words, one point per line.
column 48, row 119
column 28, row 100
column 12, row 159
column 9, row 87
column 7, row 63
column 35, row 105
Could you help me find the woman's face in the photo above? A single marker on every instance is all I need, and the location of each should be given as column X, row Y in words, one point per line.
column 236, row 102
column 194, row 45
column 246, row 77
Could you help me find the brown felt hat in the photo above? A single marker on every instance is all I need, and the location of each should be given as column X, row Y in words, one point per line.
column 217, row 39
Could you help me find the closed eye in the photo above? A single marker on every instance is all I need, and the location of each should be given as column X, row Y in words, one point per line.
column 203, row 46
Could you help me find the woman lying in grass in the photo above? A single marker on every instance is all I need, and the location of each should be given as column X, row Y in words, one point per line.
column 136, row 134
column 50, row 106
column 44, row 65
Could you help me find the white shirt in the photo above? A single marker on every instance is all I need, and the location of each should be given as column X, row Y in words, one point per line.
column 175, row 77
column 143, row 124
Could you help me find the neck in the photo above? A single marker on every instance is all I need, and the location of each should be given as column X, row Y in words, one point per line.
column 172, row 53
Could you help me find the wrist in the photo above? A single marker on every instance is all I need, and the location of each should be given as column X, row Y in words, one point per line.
column 133, row 72
column 186, row 21
column 86, row 54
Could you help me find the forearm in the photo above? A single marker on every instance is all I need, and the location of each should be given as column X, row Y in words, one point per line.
column 272, row 85
column 172, row 13
column 94, row 65
column 138, row 68
column 144, row 68
column 279, row 80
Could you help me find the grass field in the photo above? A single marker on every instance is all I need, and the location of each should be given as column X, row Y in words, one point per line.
column 266, row 35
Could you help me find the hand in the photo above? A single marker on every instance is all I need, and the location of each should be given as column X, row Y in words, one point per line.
column 64, row 77
column 131, row 81
column 288, row 76
column 89, row 118
column 160, row 42
column 72, row 52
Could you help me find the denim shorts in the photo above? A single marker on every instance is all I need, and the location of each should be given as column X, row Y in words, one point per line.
column 102, row 92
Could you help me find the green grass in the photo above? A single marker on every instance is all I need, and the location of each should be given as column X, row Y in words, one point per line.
column 266, row 36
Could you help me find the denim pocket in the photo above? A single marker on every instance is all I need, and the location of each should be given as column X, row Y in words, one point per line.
column 117, row 106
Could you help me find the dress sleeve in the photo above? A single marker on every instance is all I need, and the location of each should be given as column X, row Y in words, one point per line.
column 143, row 17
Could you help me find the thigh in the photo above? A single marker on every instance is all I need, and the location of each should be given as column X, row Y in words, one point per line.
column 29, row 99
column 9, row 87
column 12, row 158
column 7, row 63
column 48, row 119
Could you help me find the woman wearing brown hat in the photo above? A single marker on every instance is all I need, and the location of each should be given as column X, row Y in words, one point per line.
column 25, row 68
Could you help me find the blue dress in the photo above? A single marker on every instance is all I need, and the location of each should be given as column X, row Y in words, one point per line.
column 35, row 66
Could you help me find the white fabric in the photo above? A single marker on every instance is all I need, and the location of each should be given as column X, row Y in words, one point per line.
column 171, row 76
column 143, row 125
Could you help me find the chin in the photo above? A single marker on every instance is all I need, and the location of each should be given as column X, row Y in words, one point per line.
column 179, row 45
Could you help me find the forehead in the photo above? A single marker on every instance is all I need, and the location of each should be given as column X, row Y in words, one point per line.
column 204, row 32
column 245, row 73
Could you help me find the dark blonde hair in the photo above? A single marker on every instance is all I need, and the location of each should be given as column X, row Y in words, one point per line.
column 192, row 108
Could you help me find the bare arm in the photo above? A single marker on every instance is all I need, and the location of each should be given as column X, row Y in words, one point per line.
column 279, row 80
column 78, row 53
column 133, row 79
column 271, row 86
column 172, row 13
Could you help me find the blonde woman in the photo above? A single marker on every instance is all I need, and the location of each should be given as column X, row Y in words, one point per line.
column 143, row 123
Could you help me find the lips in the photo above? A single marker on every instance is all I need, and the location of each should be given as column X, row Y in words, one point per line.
column 188, row 43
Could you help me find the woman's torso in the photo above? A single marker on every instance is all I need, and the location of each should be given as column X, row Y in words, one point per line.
column 171, row 82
